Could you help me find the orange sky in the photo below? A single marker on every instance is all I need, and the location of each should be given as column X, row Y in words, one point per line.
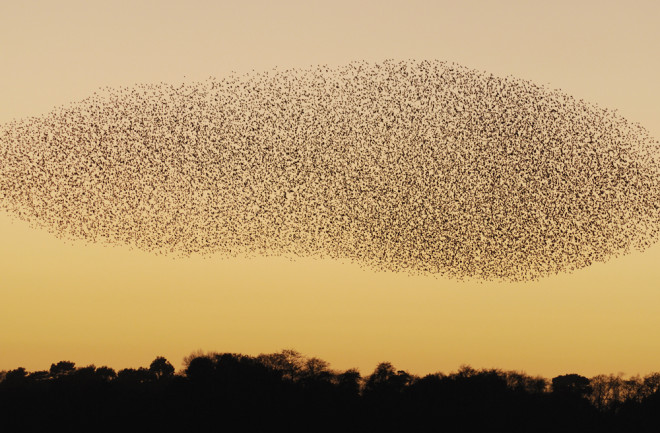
column 121, row 307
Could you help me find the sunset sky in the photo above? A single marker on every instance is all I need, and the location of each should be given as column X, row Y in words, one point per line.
column 117, row 306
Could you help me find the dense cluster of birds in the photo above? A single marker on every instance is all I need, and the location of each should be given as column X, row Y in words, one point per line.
column 426, row 167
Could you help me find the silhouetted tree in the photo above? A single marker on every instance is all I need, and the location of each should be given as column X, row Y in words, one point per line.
column 38, row 375
column 524, row 383
column 289, row 391
column 571, row 384
column 384, row 395
column 134, row 376
column 316, row 370
column 161, row 368
column 289, row 362
column 386, row 380
column 200, row 368
column 651, row 384
column 348, row 383
column 106, row 373
column 62, row 367
column 16, row 377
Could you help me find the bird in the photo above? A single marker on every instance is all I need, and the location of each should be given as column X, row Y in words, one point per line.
column 422, row 167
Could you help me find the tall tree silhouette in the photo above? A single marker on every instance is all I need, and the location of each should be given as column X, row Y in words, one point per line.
column 161, row 368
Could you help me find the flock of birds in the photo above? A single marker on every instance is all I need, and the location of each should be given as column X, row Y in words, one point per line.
column 425, row 167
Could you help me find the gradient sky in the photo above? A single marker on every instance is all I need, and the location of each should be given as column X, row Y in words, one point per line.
column 122, row 307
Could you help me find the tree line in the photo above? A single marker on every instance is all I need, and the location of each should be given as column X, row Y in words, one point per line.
column 286, row 390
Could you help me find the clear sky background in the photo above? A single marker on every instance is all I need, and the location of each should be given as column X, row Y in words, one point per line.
column 123, row 307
